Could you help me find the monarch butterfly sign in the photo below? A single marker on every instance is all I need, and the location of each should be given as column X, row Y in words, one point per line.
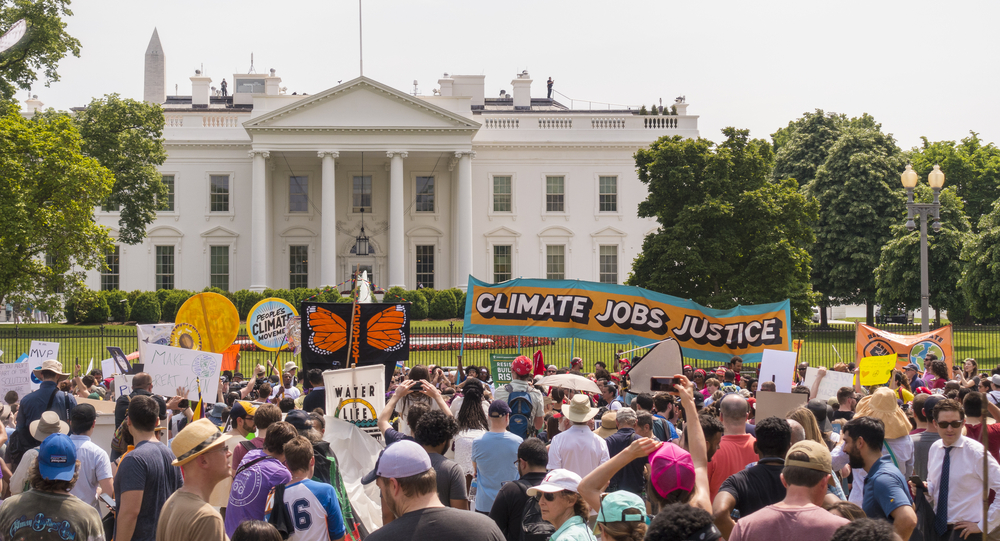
column 379, row 335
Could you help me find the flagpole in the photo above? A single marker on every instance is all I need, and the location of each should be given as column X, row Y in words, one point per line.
column 354, row 306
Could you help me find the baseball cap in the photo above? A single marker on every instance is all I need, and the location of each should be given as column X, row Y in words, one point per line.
column 242, row 409
column 821, row 411
column 83, row 414
column 57, row 458
column 670, row 469
column 929, row 405
column 912, row 366
column 995, row 379
column 556, row 481
column 622, row 506
column 817, row 456
column 403, row 459
column 298, row 419
column 521, row 365
column 499, row 408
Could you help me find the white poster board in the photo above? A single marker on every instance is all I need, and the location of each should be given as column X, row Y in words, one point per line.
column 777, row 404
column 153, row 334
column 15, row 377
column 777, row 366
column 173, row 367
column 357, row 395
column 37, row 353
column 123, row 385
column 831, row 383
column 108, row 368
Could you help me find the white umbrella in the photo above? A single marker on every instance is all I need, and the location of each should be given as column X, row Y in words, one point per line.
column 570, row 381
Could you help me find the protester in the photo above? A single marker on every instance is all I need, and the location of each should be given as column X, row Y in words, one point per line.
column 866, row 529
column 562, row 506
column 416, row 390
column 680, row 521
column 494, row 457
column 241, row 421
column 845, row 509
column 473, row 422
column 317, row 395
column 509, row 507
column 142, row 385
column 47, row 398
column 39, row 429
column 973, row 405
column 203, row 457
column 622, row 517
column 265, row 416
column 49, row 511
column 913, row 372
column 737, row 447
column 922, row 441
column 578, row 449
column 521, row 383
column 434, row 432
column 146, row 477
column 258, row 472
column 95, row 465
column 287, row 389
column 630, row 477
column 310, row 509
column 256, row 530
column 409, row 487
column 845, row 404
column 898, row 446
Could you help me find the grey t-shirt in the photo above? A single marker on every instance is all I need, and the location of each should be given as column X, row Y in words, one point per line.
column 921, row 446
column 147, row 468
column 450, row 479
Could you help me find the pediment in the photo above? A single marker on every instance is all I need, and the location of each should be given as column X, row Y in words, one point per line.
column 609, row 232
column 161, row 231
column 555, row 231
column 361, row 104
column 220, row 232
column 425, row 231
column 503, row 232
column 296, row 231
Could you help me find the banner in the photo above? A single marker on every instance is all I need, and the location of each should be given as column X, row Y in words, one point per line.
column 173, row 367
column 153, row 334
column 380, row 335
column 266, row 323
column 15, row 377
column 356, row 395
column 500, row 367
column 623, row 314
column 872, row 342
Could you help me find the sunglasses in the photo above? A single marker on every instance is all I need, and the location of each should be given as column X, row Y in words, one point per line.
column 953, row 424
column 551, row 496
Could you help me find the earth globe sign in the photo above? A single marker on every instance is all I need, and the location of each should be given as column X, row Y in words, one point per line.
column 920, row 350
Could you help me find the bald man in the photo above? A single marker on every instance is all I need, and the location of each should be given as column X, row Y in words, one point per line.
column 737, row 447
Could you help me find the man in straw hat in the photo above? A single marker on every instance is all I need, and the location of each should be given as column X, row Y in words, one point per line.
column 241, row 419
column 203, row 457
column 577, row 449
column 46, row 398
column 898, row 445
column 40, row 430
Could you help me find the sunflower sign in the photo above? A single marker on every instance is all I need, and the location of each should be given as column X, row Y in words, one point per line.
column 341, row 335
column 911, row 348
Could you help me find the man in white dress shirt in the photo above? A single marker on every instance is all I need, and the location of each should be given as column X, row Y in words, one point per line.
column 955, row 478
column 578, row 449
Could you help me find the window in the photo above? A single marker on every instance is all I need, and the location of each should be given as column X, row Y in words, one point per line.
column 609, row 264
column 502, row 266
column 219, row 267
column 425, row 266
column 362, row 200
column 164, row 267
column 109, row 274
column 219, row 194
column 425, row 194
column 298, row 266
column 555, row 262
column 298, row 194
column 56, row 283
column 167, row 205
column 554, row 192
column 501, row 194
column 608, row 194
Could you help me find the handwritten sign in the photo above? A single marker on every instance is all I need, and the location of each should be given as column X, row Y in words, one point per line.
column 876, row 370
column 357, row 395
column 173, row 367
column 777, row 404
column 37, row 353
column 778, row 366
column 830, row 384
column 15, row 377
column 123, row 385
column 153, row 334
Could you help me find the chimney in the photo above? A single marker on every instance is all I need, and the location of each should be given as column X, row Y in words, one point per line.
column 272, row 84
column 33, row 105
column 472, row 86
column 154, row 85
column 681, row 105
column 200, row 89
column 522, row 91
column 446, row 83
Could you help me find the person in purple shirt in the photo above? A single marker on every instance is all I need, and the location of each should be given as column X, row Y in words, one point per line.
column 259, row 472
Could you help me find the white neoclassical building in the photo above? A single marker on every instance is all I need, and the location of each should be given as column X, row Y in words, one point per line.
column 270, row 188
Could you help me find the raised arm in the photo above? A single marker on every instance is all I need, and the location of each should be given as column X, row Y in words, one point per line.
column 696, row 445
column 390, row 406
column 596, row 481
column 815, row 386
column 435, row 394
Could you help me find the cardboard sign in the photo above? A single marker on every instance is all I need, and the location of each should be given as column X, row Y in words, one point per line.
column 831, row 383
column 357, row 395
column 103, row 407
column 123, row 385
column 778, row 404
column 500, row 367
column 876, row 370
column 15, row 377
column 37, row 353
column 173, row 367
column 108, row 368
column 665, row 359
column 153, row 334
column 778, row 366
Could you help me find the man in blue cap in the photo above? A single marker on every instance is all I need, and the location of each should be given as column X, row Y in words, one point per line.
column 52, row 475
column 913, row 372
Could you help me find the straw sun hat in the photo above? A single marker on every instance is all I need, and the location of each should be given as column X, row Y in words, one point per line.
column 196, row 439
column 882, row 405
column 579, row 410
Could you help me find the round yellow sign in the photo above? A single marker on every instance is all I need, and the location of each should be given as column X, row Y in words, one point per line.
column 215, row 319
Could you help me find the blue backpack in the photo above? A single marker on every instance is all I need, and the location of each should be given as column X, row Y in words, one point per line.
column 520, row 412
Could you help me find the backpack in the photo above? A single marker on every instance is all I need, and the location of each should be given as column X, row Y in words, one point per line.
column 520, row 412
column 533, row 528
column 122, row 437
column 19, row 443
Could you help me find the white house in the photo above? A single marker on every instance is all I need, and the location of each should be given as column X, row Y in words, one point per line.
column 270, row 189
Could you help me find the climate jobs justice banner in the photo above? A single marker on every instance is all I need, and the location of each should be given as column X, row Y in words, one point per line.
column 623, row 314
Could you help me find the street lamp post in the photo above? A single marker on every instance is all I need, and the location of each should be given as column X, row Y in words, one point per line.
column 936, row 180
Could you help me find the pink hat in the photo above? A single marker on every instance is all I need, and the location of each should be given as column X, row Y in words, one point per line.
column 670, row 469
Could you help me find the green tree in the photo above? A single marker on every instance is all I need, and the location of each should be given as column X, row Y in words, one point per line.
column 146, row 308
column 126, row 136
column 444, row 305
column 42, row 47
column 981, row 282
column 805, row 144
column 860, row 200
column 48, row 191
column 898, row 274
column 728, row 235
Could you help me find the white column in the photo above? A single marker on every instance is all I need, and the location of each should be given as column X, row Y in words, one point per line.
column 397, row 243
column 258, row 226
column 328, row 251
column 463, row 193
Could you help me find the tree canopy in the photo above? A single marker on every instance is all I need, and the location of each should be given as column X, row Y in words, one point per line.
column 805, row 144
column 42, row 47
column 728, row 235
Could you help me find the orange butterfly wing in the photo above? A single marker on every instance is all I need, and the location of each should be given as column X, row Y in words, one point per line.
column 385, row 329
column 329, row 331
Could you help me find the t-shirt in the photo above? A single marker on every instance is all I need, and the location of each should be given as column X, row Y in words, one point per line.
column 847, row 415
column 446, row 523
column 773, row 522
column 45, row 516
column 248, row 497
column 316, row 398
column 239, row 452
column 186, row 516
column 921, row 446
column 403, row 408
column 314, row 510
column 494, row 454
column 450, row 479
column 291, row 392
column 509, row 504
column 885, row 490
column 95, row 466
column 734, row 453
column 756, row 487
column 147, row 469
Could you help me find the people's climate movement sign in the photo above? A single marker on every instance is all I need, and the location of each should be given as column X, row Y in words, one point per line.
column 623, row 314
column 909, row 348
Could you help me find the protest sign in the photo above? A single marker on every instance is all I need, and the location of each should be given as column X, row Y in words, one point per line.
column 777, row 404
column 338, row 335
column 108, row 368
column 15, row 377
column 664, row 360
column 38, row 352
column 173, row 367
column 872, row 342
column 123, row 385
column 122, row 366
column 357, row 395
column 831, row 383
column 266, row 323
column 206, row 321
column 153, row 334
column 778, row 366
column 500, row 367
column 876, row 370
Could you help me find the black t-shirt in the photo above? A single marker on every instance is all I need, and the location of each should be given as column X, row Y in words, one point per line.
column 507, row 507
column 439, row 523
column 846, row 415
column 757, row 487
column 315, row 399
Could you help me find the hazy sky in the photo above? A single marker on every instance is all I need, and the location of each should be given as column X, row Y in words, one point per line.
column 920, row 68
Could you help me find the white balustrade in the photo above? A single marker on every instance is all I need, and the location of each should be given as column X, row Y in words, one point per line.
column 555, row 123
column 502, row 123
column 608, row 123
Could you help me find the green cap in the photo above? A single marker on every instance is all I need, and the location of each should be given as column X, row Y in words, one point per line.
column 622, row 506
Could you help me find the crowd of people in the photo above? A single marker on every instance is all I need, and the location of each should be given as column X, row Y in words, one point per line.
column 468, row 458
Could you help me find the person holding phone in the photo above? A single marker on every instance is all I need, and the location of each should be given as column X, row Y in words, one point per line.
column 417, row 389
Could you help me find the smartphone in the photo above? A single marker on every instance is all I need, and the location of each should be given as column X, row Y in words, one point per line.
column 836, row 427
column 108, row 501
column 916, row 480
column 663, row 383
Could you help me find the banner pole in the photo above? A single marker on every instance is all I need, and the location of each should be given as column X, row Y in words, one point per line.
column 461, row 352
column 572, row 345
column 354, row 306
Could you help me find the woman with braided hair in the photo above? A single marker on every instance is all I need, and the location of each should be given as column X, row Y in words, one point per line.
column 472, row 423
